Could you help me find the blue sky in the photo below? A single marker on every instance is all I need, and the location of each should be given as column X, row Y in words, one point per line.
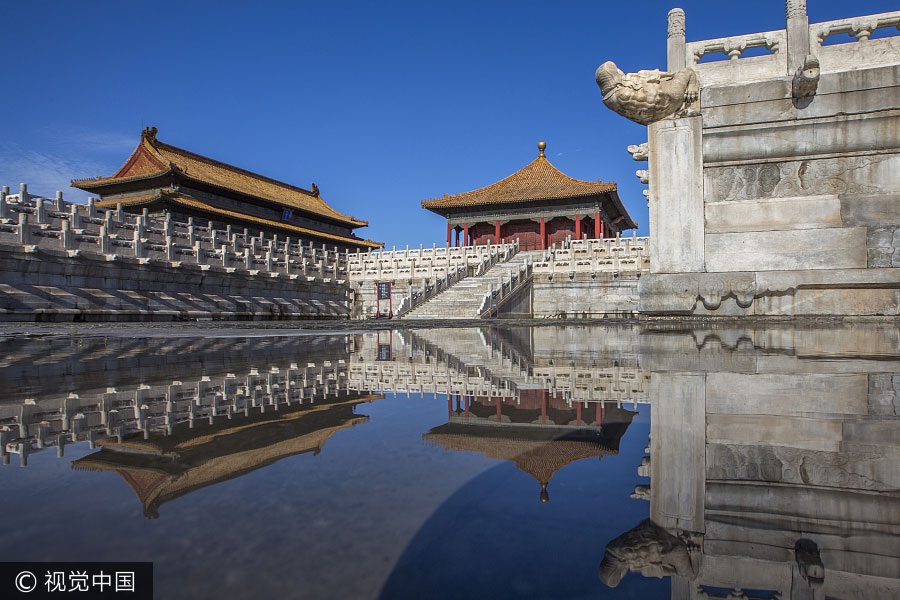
column 381, row 104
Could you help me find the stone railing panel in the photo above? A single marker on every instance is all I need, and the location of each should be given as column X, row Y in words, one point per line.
column 861, row 53
column 611, row 255
column 51, row 223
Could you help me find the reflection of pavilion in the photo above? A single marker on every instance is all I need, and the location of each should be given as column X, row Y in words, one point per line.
column 165, row 467
column 539, row 432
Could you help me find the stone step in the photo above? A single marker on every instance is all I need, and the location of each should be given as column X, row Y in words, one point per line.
column 463, row 300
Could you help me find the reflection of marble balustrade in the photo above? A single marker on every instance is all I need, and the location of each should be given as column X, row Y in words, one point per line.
column 469, row 363
column 159, row 407
column 610, row 384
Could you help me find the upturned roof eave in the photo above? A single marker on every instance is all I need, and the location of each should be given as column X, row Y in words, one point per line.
column 102, row 182
column 449, row 208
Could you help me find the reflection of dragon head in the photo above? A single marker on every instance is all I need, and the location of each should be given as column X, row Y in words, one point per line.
column 651, row 550
column 646, row 96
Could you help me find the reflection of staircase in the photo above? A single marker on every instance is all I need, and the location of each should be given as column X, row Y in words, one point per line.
column 464, row 300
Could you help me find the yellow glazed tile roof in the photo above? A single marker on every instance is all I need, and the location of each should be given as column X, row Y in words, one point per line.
column 152, row 158
column 537, row 180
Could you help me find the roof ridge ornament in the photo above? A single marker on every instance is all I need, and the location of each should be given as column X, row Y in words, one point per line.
column 541, row 147
column 149, row 134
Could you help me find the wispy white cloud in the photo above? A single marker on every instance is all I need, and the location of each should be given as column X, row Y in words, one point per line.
column 52, row 158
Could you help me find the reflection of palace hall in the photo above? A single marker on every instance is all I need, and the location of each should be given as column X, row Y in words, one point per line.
column 537, row 205
column 165, row 467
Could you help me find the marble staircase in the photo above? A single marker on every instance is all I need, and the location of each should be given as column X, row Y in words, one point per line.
column 463, row 300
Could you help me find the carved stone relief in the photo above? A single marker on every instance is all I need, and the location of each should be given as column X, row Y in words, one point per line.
column 676, row 23
column 647, row 96
column 788, row 179
column 714, row 288
column 779, row 464
column 639, row 152
column 806, row 80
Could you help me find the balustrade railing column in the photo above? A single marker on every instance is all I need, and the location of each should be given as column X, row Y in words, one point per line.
column 104, row 239
column 5, row 212
column 24, row 229
column 66, row 235
column 797, row 34
column 138, row 243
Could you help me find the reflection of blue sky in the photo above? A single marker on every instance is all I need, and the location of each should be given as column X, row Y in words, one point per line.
column 336, row 524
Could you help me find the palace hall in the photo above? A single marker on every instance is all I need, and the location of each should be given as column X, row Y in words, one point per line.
column 537, row 205
column 164, row 179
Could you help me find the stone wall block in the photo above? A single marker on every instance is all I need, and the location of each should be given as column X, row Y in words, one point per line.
column 676, row 201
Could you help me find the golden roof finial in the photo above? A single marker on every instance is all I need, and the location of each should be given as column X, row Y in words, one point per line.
column 542, row 146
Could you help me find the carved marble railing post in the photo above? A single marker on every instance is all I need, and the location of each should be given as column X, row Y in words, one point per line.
column 5, row 212
column 171, row 255
column 138, row 243
column 24, row 229
column 104, row 239
column 66, row 235
column 40, row 211
column 797, row 34
column 676, row 45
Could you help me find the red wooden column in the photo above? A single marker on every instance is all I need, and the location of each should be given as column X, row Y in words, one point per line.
column 497, row 231
column 499, row 410
column 577, row 227
column 599, row 413
column 449, row 406
column 466, row 401
column 578, row 413
column 465, row 234
column 597, row 225
column 603, row 229
column 543, row 235
column 543, row 406
column 449, row 235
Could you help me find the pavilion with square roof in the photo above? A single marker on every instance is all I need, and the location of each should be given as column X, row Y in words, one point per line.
column 537, row 205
